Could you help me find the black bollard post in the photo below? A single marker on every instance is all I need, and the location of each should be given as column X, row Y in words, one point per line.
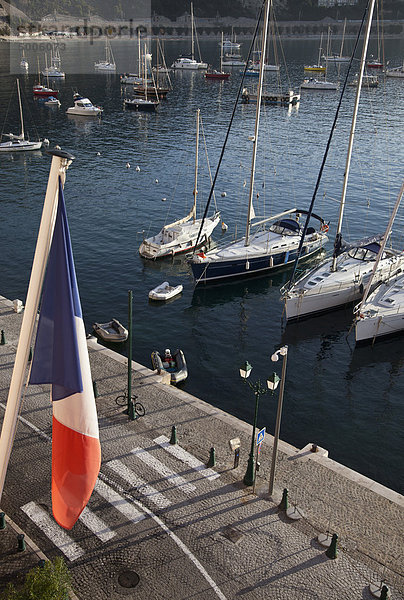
column 21, row 542
column 95, row 389
column 284, row 503
column 236, row 458
column 173, row 439
column 2, row 520
column 212, row 458
column 332, row 551
column 384, row 593
column 3, row 338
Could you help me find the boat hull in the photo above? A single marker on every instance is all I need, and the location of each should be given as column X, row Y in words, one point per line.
column 145, row 106
column 20, row 146
column 153, row 248
column 334, row 292
column 206, row 272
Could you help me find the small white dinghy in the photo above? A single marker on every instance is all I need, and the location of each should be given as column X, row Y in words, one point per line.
column 113, row 331
column 165, row 291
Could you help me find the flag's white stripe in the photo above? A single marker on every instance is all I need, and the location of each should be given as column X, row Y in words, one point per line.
column 141, row 486
column 186, row 457
column 164, row 471
column 78, row 411
column 118, row 502
column 96, row 525
column 53, row 531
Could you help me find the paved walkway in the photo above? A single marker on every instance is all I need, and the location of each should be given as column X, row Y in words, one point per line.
column 161, row 525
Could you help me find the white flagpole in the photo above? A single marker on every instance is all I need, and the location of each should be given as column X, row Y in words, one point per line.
column 60, row 162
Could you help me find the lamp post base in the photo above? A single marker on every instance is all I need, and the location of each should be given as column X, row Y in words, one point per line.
column 249, row 477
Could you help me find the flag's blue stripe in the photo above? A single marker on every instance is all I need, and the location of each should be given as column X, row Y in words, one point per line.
column 56, row 356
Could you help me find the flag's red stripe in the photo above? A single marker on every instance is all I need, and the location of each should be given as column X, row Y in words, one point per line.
column 76, row 460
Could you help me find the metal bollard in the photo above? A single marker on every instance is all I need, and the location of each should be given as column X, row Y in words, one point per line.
column 2, row 520
column 95, row 389
column 173, row 439
column 3, row 338
column 236, row 458
column 21, row 542
column 332, row 551
column 384, row 593
column 212, row 458
column 284, row 503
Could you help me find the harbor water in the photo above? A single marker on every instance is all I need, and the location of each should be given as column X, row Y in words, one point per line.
column 133, row 172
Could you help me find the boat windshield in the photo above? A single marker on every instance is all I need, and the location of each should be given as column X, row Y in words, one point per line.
column 366, row 253
column 285, row 227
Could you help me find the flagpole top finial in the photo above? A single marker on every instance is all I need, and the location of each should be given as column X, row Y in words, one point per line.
column 61, row 154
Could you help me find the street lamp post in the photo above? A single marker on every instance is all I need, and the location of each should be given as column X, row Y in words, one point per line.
column 275, row 357
column 258, row 389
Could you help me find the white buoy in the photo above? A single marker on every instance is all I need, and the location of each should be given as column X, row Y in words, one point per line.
column 156, row 181
column 98, row 153
column 128, row 165
column 46, row 142
column 244, row 183
column 224, row 194
column 224, row 226
column 163, row 199
column 137, row 168
column 58, row 148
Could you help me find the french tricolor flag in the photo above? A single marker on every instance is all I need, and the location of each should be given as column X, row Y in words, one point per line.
column 61, row 359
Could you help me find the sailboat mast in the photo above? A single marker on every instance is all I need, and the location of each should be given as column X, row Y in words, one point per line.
column 257, row 118
column 221, row 55
column 319, row 49
column 20, row 104
column 196, row 165
column 342, row 41
column 192, row 32
column 351, row 136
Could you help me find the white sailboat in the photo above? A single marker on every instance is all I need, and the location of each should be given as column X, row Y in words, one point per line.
column 381, row 313
column 55, row 69
column 340, row 280
column 109, row 63
column 338, row 58
column 188, row 62
column 395, row 71
column 268, row 248
column 182, row 235
column 18, row 143
column 23, row 62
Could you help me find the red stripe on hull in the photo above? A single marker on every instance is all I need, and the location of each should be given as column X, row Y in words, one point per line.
column 76, row 460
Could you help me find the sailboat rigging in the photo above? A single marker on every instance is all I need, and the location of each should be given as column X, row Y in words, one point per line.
column 340, row 279
column 182, row 235
column 267, row 248
column 18, row 143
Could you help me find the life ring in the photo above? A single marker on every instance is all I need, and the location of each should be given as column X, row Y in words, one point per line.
column 324, row 227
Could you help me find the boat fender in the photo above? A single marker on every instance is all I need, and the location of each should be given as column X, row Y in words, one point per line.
column 324, row 227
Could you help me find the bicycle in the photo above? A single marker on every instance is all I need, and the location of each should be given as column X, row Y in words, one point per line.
column 138, row 407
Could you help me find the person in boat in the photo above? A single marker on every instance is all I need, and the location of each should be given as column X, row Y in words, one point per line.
column 168, row 361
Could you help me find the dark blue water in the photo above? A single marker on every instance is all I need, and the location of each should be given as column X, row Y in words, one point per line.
column 346, row 399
